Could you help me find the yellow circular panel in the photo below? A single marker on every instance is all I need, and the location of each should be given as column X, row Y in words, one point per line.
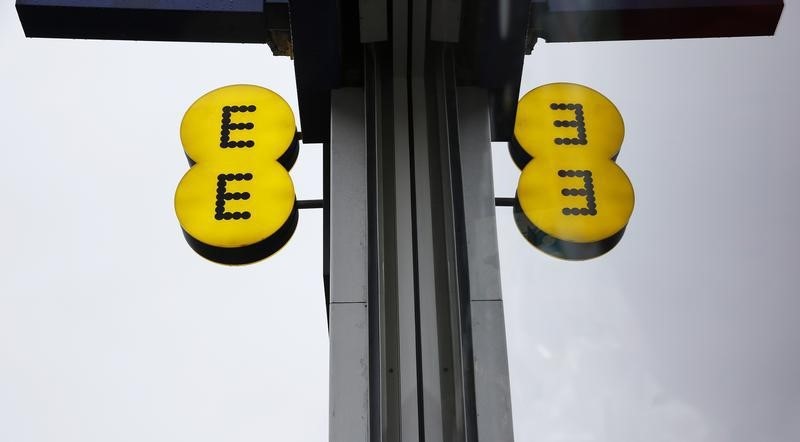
column 567, row 120
column 234, row 203
column 581, row 200
column 237, row 118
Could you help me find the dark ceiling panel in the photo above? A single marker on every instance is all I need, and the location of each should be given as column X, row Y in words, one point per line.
column 582, row 20
column 241, row 21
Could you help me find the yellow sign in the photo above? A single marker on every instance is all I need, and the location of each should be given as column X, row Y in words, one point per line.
column 236, row 204
column 573, row 200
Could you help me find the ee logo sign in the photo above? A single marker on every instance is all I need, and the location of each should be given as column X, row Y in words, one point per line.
column 573, row 201
column 236, row 204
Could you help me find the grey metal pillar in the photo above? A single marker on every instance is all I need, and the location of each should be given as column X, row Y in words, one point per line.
column 418, row 350
column 349, row 286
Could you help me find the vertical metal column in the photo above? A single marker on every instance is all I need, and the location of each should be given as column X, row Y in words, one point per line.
column 418, row 350
column 489, row 355
column 348, row 309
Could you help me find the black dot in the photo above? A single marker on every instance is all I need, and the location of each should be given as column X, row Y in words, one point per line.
column 220, row 203
column 575, row 211
column 251, row 108
column 248, row 176
column 238, row 215
column 578, row 173
column 238, row 176
column 591, row 206
column 591, row 199
column 584, row 211
column 571, row 106
column 578, row 106
column 223, row 145
column 562, row 173
column 241, row 143
column 562, row 106
column 592, row 212
column 579, row 111
column 227, row 215
column 218, row 217
column 565, row 211
column 234, row 109
column 558, row 141
column 554, row 106
column 230, row 177
column 245, row 195
column 572, row 123
column 221, row 177
column 242, row 108
column 226, row 109
column 245, row 215
column 249, row 126
column 228, row 196
column 573, row 192
column 250, row 143
column 570, row 173
column 567, row 141
column 584, row 141
column 226, row 119
column 576, row 141
column 565, row 192
column 582, row 192
column 557, row 123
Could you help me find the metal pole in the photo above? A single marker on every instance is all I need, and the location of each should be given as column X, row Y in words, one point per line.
column 418, row 348
column 348, row 308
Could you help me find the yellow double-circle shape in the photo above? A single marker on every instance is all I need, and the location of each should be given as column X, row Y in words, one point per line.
column 236, row 204
column 573, row 200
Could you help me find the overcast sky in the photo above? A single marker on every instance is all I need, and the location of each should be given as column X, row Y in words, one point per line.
column 113, row 329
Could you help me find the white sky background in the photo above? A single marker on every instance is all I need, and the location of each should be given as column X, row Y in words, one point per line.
column 112, row 329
